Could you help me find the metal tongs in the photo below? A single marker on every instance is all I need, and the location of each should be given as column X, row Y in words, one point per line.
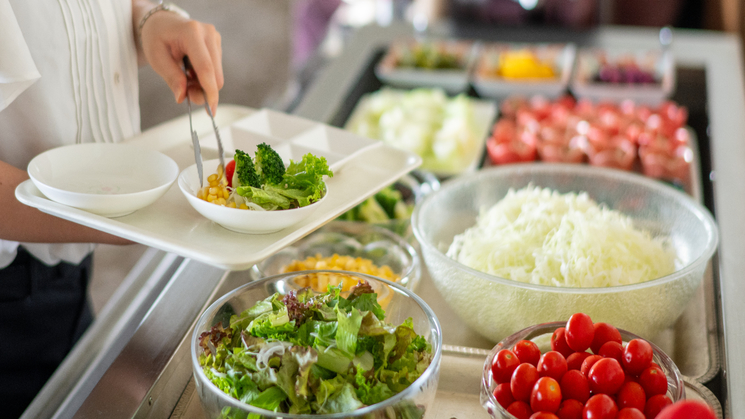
column 191, row 80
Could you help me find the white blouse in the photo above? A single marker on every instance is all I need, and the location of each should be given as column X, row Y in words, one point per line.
column 68, row 74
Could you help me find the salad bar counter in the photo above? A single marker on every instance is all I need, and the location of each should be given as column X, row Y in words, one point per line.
column 142, row 357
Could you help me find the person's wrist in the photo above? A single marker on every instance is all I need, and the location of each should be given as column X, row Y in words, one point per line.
column 167, row 7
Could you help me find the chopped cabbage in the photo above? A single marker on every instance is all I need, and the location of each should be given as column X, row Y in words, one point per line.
column 540, row 236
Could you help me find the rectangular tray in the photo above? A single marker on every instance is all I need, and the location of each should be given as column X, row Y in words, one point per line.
column 172, row 225
column 458, row 391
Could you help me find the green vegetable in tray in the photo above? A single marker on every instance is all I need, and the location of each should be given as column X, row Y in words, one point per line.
column 386, row 205
column 429, row 57
column 305, row 354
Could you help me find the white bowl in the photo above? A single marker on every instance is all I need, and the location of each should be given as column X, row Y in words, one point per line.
column 240, row 221
column 107, row 179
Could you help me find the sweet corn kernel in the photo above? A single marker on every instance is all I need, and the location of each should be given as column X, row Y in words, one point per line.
column 243, row 207
column 211, row 198
column 225, row 193
column 212, row 178
column 231, row 204
column 319, row 282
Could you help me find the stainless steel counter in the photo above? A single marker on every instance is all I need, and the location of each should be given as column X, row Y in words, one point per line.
column 143, row 368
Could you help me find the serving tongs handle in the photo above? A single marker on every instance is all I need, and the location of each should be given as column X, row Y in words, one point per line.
column 192, row 80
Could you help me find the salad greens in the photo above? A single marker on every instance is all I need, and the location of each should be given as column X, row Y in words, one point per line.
column 264, row 184
column 303, row 353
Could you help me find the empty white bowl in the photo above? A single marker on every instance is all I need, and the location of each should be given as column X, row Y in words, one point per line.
column 240, row 221
column 107, row 179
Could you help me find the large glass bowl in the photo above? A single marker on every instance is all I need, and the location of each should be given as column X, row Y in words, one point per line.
column 541, row 335
column 497, row 307
column 399, row 304
column 350, row 238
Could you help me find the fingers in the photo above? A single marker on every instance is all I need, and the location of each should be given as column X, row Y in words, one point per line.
column 202, row 45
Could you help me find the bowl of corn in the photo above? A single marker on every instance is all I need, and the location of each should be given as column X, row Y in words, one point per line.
column 346, row 246
column 210, row 201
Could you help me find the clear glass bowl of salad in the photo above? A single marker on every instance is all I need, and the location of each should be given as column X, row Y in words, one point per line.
column 497, row 307
column 341, row 355
column 540, row 334
column 348, row 246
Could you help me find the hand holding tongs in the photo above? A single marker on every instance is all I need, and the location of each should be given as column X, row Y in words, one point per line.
column 191, row 80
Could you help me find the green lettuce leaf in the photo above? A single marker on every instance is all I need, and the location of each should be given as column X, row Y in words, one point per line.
column 349, row 327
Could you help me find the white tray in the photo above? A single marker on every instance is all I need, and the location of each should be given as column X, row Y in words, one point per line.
column 172, row 225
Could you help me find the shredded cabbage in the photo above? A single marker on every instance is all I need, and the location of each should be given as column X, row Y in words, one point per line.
column 540, row 236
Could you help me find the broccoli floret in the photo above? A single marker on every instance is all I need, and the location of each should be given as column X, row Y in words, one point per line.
column 245, row 171
column 372, row 212
column 388, row 198
column 269, row 164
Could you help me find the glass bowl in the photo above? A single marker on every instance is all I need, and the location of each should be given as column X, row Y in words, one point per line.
column 400, row 305
column 541, row 335
column 350, row 238
column 497, row 307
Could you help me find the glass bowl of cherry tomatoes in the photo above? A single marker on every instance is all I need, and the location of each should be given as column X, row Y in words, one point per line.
column 578, row 369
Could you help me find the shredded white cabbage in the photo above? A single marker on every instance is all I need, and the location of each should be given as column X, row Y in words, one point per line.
column 540, row 236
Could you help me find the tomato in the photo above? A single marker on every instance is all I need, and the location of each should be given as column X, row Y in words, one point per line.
column 613, row 350
column 229, row 170
column 513, row 152
column 588, row 363
column 655, row 404
column 631, row 394
column 520, row 410
column 527, row 351
column 523, row 380
column 631, row 413
column 600, row 406
column 580, row 332
column 552, row 364
column 503, row 394
column 559, row 343
column 574, row 361
column 570, row 409
column 574, row 386
column 503, row 365
column 543, row 415
column 686, row 409
column 605, row 377
column 546, row 395
column 636, row 356
column 604, row 333
column 653, row 381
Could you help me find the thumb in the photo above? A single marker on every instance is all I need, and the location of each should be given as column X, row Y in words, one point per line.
column 170, row 70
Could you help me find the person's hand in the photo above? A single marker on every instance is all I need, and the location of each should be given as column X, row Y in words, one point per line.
column 166, row 37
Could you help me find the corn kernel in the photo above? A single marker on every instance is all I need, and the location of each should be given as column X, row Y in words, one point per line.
column 212, row 178
column 211, row 198
column 244, row 207
column 220, row 201
column 231, row 204
column 225, row 193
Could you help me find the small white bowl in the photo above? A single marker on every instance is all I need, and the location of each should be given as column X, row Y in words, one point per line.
column 240, row 221
column 107, row 179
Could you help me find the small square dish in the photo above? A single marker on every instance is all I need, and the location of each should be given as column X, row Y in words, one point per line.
column 448, row 133
column 412, row 63
column 523, row 69
column 644, row 76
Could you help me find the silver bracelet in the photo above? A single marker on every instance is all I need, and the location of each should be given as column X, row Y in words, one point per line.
column 163, row 6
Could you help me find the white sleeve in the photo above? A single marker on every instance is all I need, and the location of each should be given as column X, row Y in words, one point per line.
column 17, row 68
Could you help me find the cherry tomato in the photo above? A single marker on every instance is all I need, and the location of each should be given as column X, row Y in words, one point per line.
column 686, row 409
column 588, row 363
column 559, row 343
column 504, row 364
column 655, row 404
column 503, row 394
column 229, row 170
column 653, row 381
column 574, row 386
column 523, row 380
column 636, row 356
column 613, row 350
column 604, row 333
column 600, row 406
column 570, row 409
column 552, row 364
column 546, row 395
column 574, row 361
column 543, row 415
column 631, row 394
column 605, row 377
column 520, row 410
column 631, row 413
column 580, row 332
column 527, row 351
